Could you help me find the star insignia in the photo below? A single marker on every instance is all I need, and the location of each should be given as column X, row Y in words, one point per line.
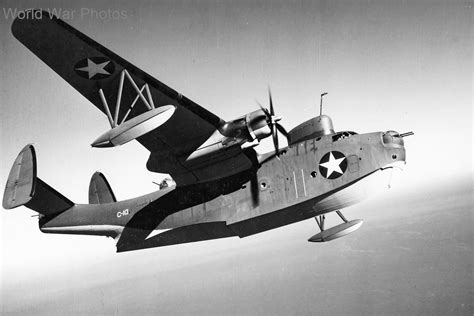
column 93, row 68
column 333, row 165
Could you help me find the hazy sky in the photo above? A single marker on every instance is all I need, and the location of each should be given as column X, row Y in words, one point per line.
column 401, row 65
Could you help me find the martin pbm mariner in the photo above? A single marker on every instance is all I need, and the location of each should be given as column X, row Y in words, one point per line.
column 223, row 187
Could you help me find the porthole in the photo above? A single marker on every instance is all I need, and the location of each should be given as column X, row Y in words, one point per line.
column 313, row 174
column 264, row 184
column 394, row 156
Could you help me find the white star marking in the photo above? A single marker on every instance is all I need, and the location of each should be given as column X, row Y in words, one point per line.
column 93, row 69
column 333, row 165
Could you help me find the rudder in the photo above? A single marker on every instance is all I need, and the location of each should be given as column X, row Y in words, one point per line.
column 25, row 188
column 100, row 191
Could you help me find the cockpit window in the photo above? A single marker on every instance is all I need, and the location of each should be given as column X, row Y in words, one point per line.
column 343, row 135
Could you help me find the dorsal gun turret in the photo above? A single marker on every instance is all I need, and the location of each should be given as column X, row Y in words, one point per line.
column 316, row 127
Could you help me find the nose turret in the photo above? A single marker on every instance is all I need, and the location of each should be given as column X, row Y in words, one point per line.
column 394, row 148
column 392, row 138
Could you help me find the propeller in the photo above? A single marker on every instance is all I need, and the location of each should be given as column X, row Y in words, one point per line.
column 275, row 127
column 272, row 121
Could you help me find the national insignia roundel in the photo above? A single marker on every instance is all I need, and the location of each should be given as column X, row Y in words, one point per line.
column 94, row 68
column 333, row 165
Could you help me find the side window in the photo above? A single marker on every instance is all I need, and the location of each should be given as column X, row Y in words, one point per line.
column 353, row 162
column 342, row 135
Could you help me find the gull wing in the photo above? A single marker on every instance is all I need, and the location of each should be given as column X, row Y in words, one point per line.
column 122, row 92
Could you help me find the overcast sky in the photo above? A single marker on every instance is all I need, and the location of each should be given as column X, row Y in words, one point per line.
column 387, row 65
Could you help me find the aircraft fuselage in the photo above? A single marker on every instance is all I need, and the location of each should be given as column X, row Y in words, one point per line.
column 307, row 179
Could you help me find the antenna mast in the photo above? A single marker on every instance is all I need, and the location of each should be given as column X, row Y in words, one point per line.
column 321, row 104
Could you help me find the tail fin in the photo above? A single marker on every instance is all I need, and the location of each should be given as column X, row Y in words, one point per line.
column 100, row 191
column 25, row 188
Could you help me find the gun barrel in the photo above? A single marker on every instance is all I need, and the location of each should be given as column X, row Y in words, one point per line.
column 407, row 134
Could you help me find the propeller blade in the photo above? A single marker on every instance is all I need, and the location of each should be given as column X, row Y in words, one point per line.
column 281, row 129
column 275, row 140
column 272, row 111
column 264, row 110
column 272, row 120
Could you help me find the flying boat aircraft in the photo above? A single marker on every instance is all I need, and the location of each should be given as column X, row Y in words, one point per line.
column 222, row 186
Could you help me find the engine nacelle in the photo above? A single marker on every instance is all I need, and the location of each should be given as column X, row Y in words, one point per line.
column 257, row 125
column 250, row 127
column 246, row 131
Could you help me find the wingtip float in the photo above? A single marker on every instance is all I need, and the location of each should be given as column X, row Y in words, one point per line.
column 135, row 127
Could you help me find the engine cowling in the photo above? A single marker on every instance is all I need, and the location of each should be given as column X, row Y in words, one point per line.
column 250, row 127
column 257, row 125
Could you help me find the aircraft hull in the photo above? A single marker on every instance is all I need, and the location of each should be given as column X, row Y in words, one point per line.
column 342, row 198
column 290, row 189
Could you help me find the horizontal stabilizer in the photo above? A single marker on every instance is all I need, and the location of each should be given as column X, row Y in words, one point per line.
column 25, row 188
column 100, row 191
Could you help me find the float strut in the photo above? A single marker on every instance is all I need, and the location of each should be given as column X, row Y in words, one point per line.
column 341, row 216
column 320, row 222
